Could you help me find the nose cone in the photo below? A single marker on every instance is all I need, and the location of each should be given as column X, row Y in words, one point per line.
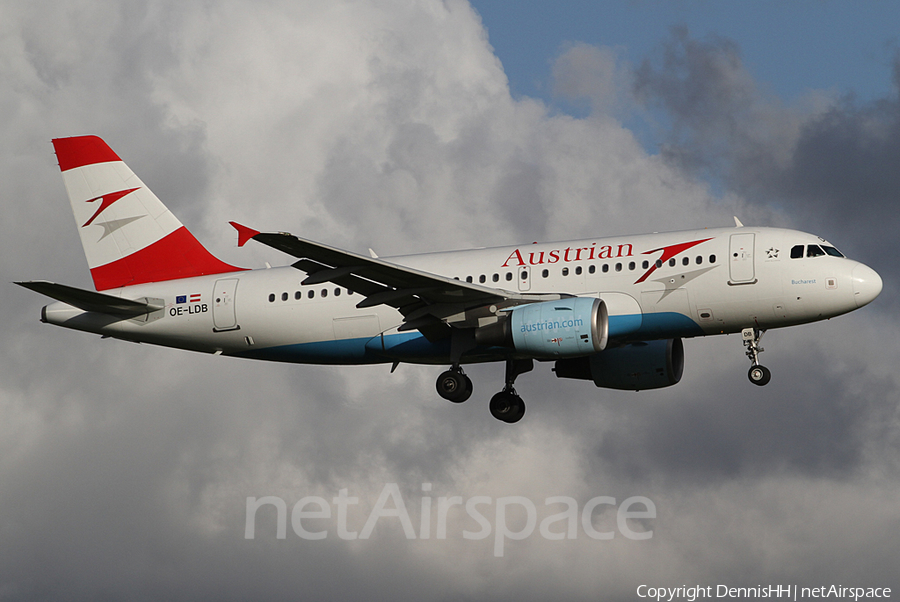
column 866, row 284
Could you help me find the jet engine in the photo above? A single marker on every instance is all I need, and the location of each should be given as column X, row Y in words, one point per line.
column 635, row 366
column 550, row 329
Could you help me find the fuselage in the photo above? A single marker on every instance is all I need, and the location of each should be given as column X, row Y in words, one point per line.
column 655, row 286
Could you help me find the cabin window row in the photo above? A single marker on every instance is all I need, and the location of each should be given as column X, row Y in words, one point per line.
column 483, row 278
column 592, row 269
column 311, row 294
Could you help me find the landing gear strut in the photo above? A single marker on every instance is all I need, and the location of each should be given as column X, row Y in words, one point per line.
column 453, row 385
column 758, row 374
column 507, row 405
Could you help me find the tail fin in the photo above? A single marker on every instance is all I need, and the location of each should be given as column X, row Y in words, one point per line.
column 129, row 236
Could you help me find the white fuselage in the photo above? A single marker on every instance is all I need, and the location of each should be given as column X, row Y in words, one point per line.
column 655, row 286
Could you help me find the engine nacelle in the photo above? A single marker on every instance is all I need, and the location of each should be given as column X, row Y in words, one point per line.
column 563, row 328
column 634, row 367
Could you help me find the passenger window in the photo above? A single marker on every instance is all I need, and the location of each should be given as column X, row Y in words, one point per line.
column 618, row 267
column 482, row 279
column 508, row 276
column 298, row 295
column 469, row 279
column 324, row 292
column 578, row 271
column 592, row 268
column 311, row 294
column 631, row 265
column 496, row 277
column 672, row 263
column 699, row 259
column 658, row 263
column 565, row 271
column 712, row 258
column 545, row 273
column 272, row 298
column 645, row 265
column 284, row 296
column 605, row 268
column 685, row 261
column 337, row 292
column 524, row 274
column 814, row 251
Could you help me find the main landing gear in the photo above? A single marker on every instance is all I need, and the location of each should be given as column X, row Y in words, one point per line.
column 453, row 385
column 507, row 405
column 758, row 374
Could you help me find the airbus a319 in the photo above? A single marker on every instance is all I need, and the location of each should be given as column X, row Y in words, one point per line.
column 612, row 311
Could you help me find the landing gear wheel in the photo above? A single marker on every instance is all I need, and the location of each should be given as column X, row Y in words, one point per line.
column 507, row 407
column 454, row 386
column 759, row 375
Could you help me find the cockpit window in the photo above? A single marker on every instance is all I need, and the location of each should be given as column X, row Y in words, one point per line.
column 814, row 251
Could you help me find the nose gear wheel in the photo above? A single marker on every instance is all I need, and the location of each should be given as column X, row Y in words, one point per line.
column 758, row 374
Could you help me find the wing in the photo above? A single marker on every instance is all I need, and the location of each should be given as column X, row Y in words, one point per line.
column 428, row 302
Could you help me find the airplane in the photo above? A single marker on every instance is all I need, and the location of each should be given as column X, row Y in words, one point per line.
column 609, row 310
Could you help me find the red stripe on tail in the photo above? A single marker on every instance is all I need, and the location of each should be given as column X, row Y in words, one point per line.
column 82, row 150
column 178, row 255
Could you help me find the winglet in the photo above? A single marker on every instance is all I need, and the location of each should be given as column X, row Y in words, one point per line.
column 737, row 223
column 244, row 233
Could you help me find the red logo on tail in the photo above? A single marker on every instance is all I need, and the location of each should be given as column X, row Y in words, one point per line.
column 105, row 201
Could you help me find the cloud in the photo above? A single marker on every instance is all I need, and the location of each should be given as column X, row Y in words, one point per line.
column 126, row 468
column 825, row 162
column 588, row 72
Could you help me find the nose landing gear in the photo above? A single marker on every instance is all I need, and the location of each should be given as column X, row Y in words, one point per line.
column 758, row 374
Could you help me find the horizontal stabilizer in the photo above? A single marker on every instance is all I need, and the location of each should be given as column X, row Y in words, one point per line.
column 91, row 301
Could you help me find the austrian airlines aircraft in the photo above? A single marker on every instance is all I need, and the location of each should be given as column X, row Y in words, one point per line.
column 608, row 310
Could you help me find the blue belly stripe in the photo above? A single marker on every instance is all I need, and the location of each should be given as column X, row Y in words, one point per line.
column 414, row 347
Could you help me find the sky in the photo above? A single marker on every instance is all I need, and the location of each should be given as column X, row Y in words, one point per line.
column 415, row 126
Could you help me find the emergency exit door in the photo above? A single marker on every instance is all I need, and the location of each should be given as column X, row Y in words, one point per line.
column 224, row 317
column 740, row 259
